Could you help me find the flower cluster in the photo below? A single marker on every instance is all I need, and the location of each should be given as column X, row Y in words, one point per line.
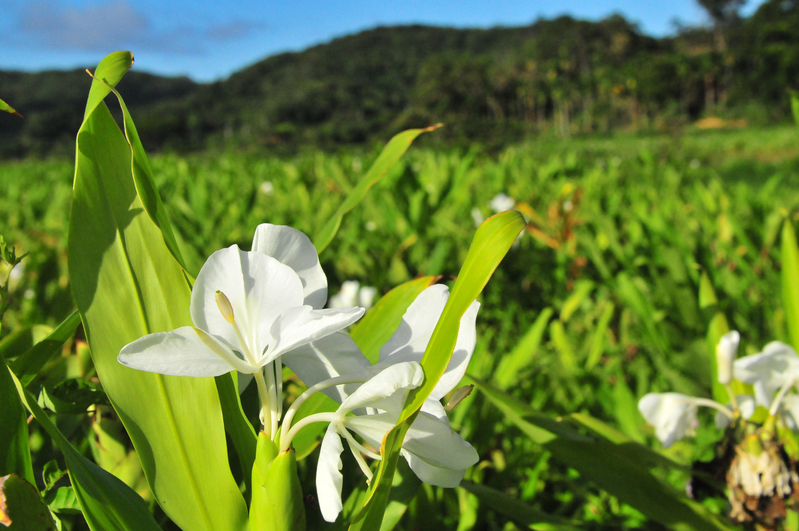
column 760, row 459
column 254, row 311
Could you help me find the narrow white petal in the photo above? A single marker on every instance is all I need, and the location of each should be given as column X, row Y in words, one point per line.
column 259, row 289
column 301, row 325
column 329, row 357
column 399, row 378
column 431, row 474
column 178, row 353
column 414, row 332
column 294, row 248
column 328, row 475
column 672, row 415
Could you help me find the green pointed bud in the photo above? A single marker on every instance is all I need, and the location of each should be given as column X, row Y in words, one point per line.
column 277, row 503
column 752, row 445
column 788, row 440
column 224, row 307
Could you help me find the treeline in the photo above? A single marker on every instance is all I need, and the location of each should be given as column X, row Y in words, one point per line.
column 563, row 76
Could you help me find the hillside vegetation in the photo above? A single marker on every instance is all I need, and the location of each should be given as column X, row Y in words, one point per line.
column 563, row 76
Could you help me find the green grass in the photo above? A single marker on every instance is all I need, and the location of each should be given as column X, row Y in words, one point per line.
column 621, row 230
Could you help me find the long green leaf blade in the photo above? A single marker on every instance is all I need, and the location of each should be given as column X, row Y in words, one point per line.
column 106, row 502
column 616, row 467
column 491, row 242
column 790, row 281
column 127, row 284
column 395, row 148
column 28, row 364
column 15, row 455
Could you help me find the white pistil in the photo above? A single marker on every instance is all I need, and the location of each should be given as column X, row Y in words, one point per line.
column 715, row 405
column 285, row 440
column 300, row 400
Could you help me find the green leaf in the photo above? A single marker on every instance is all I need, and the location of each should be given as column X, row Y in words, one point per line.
column 790, row 281
column 567, row 359
column 510, row 366
column 127, row 284
column 491, row 242
column 72, row 396
column 15, row 455
column 395, row 148
column 614, row 465
column 63, row 500
column 581, row 291
column 516, row 510
column 30, row 363
column 145, row 182
column 794, row 105
column 378, row 325
column 8, row 108
column 277, row 502
column 308, row 438
column 21, row 507
column 106, row 502
column 598, row 338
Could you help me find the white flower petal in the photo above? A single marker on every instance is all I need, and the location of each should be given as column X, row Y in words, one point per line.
column 294, row 248
column 329, row 357
column 328, row 475
column 768, row 370
column 431, row 474
column 437, row 443
column 672, row 415
column 372, row 428
column 259, row 289
column 399, row 378
column 301, row 325
column 179, row 353
column 725, row 355
column 410, row 340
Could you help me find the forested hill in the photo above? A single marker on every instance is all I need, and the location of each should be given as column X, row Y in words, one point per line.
column 563, row 75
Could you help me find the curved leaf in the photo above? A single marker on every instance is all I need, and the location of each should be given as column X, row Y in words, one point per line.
column 491, row 242
column 127, row 284
column 387, row 158
column 106, row 502
column 8, row 108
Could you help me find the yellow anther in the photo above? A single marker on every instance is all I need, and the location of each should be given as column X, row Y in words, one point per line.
column 224, row 307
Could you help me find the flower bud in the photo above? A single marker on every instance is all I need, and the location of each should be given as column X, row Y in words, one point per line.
column 725, row 355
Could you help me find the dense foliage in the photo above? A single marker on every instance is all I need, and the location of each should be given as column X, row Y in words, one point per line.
column 564, row 76
column 596, row 306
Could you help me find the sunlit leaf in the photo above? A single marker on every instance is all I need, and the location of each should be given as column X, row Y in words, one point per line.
column 387, row 158
column 127, row 283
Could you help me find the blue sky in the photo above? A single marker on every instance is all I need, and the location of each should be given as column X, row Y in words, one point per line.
column 210, row 40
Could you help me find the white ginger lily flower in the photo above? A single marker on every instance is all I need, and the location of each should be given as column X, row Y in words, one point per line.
column 248, row 309
column 430, row 445
column 774, row 369
column 673, row 414
column 335, row 365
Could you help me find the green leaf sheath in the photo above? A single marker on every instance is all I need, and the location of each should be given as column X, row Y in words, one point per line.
column 106, row 502
column 395, row 148
column 491, row 242
column 610, row 459
column 277, row 503
column 790, row 281
column 127, row 283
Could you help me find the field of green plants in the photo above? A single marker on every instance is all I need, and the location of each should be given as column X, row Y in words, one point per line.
column 633, row 249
